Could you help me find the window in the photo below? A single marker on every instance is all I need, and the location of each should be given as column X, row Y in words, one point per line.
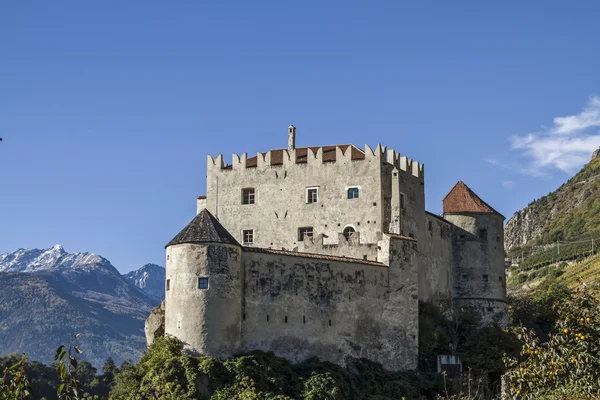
column 202, row 283
column 248, row 196
column 312, row 195
column 168, row 284
column 485, row 278
column 348, row 231
column 178, row 324
column 353, row 193
column 483, row 234
column 402, row 201
column 430, row 225
column 306, row 232
column 248, row 236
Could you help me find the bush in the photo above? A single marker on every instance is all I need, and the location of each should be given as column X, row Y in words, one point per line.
column 568, row 363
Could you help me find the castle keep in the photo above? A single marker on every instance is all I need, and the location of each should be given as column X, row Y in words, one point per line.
column 327, row 251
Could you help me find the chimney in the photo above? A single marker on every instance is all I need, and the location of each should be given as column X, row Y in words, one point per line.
column 291, row 137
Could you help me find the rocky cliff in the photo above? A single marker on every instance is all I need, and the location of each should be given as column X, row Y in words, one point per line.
column 570, row 212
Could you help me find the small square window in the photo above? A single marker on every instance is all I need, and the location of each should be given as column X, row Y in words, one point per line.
column 202, row 283
column 306, row 232
column 353, row 193
column 483, row 234
column 168, row 284
column 485, row 278
column 248, row 236
column 402, row 201
column 248, row 196
column 312, row 195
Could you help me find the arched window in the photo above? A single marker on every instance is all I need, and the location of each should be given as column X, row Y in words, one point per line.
column 348, row 231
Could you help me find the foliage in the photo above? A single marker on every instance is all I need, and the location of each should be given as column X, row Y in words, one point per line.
column 66, row 363
column 566, row 365
column 446, row 330
column 15, row 383
column 535, row 310
column 165, row 372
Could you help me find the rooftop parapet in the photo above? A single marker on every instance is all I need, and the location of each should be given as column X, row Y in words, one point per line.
column 317, row 155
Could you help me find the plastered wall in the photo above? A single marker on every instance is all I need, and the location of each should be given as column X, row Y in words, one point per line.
column 281, row 207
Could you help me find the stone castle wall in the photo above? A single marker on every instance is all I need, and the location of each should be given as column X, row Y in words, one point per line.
column 479, row 277
column 294, row 304
column 298, row 307
column 281, row 206
column 435, row 273
column 328, row 296
column 208, row 321
column 280, row 195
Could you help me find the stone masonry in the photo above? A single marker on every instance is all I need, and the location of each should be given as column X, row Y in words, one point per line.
column 327, row 251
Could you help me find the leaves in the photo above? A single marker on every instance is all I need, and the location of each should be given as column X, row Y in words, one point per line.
column 568, row 361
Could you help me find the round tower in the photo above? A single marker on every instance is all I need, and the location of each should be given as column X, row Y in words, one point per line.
column 204, row 278
column 478, row 274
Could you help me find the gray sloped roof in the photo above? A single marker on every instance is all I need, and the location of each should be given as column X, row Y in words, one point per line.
column 204, row 228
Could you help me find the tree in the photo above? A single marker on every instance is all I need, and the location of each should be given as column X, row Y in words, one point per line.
column 568, row 363
column 85, row 373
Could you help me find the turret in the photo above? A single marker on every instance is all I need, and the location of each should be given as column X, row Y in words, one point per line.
column 204, row 281
column 479, row 281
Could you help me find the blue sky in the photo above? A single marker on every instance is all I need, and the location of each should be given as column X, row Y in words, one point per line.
column 108, row 109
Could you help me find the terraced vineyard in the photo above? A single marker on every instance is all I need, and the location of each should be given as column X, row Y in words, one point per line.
column 586, row 272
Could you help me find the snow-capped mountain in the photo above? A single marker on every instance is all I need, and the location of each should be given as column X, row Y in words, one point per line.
column 53, row 259
column 49, row 295
column 151, row 279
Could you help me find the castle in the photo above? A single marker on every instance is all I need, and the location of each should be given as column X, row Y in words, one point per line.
column 327, row 251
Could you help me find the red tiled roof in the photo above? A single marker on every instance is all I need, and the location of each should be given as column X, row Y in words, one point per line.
column 461, row 199
column 329, row 154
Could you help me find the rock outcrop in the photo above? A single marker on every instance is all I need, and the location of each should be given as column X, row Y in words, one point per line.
column 155, row 323
column 570, row 212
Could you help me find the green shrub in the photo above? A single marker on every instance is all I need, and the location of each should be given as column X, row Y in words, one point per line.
column 568, row 363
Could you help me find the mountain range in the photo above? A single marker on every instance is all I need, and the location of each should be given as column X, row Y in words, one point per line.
column 49, row 295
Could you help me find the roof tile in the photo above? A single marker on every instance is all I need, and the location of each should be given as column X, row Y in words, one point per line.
column 204, row 228
column 461, row 199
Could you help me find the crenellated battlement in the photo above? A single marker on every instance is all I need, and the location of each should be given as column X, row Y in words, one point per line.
column 345, row 153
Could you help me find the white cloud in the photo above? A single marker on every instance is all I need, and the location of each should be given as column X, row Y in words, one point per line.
column 508, row 185
column 588, row 118
column 566, row 146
